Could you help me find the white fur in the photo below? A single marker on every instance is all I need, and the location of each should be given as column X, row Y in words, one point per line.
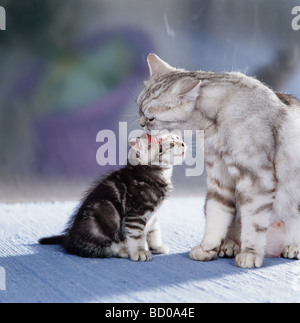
column 242, row 120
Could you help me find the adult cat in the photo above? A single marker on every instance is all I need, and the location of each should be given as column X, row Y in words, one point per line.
column 252, row 155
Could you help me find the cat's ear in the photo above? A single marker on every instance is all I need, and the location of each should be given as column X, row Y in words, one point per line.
column 157, row 66
column 138, row 144
column 189, row 90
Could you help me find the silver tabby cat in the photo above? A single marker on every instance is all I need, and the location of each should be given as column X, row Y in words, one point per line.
column 252, row 155
column 117, row 217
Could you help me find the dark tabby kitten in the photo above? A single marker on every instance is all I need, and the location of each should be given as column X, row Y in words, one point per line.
column 116, row 219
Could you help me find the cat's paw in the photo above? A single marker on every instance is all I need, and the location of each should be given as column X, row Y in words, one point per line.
column 200, row 254
column 291, row 252
column 249, row 260
column 229, row 249
column 141, row 255
column 123, row 253
column 163, row 249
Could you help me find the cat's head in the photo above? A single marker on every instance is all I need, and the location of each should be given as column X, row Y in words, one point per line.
column 168, row 98
column 163, row 151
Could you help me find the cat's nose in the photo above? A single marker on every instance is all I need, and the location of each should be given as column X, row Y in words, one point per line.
column 143, row 122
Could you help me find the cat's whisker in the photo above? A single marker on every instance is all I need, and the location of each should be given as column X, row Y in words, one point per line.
column 135, row 115
column 135, row 121
column 134, row 92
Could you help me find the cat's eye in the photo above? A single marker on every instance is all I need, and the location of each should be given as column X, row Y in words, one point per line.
column 151, row 119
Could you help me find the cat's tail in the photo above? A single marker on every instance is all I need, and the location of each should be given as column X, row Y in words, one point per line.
column 53, row 240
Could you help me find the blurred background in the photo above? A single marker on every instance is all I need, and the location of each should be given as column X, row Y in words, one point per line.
column 71, row 68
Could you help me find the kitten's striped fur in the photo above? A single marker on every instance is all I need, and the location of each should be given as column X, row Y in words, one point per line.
column 252, row 152
column 117, row 217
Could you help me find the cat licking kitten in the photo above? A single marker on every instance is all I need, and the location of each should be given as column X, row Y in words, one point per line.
column 252, row 156
column 117, row 217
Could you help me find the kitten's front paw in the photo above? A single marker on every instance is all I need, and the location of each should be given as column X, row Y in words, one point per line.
column 229, row 249
column 249, row 260
column 200, row 254
column 141, row 255
column 291, row 252
column 163, row 249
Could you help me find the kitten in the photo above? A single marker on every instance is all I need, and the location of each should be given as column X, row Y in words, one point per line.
column 252, row 156
column 117, row 219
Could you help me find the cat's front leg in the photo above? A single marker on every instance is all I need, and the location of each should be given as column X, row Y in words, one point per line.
column 231, row 246
column 136, row 239
column 256, row 195
column 219, row 211
column 154, row 239
column 292, row 238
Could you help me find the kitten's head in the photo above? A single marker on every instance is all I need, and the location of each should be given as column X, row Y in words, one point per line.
column 163, row 151
column 169, row 97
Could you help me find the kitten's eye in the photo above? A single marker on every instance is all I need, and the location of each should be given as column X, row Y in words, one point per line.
column 151, row 119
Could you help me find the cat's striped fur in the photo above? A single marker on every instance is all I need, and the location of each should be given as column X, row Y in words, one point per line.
column 252, row 154
column 117, row 217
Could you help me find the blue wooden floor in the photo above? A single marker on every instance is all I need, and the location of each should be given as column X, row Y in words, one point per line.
column 33, row 273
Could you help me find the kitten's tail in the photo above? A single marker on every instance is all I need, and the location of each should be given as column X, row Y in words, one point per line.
column 53, row 240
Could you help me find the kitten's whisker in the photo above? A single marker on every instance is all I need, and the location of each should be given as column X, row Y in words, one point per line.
column 189, row 149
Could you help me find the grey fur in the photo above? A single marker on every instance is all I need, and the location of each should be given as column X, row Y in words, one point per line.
column 252, row 154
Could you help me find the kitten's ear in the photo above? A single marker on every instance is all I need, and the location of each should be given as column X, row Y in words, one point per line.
column 157, row 66
column 190, row 90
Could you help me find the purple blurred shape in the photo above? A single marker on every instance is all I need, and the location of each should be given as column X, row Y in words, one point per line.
column 67, row 140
